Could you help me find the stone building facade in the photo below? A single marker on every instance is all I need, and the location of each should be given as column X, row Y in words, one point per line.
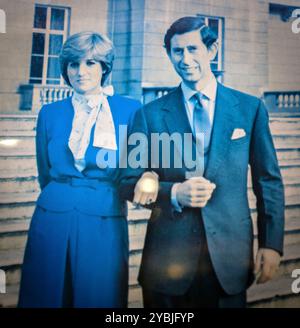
column 259, row 54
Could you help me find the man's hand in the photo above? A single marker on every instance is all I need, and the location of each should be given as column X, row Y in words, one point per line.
column 146, row 189
column 266, row 264
column 195, row 192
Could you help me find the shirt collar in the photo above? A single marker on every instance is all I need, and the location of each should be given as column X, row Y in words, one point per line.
column 94, row 99
column 210, row 90
column 90, row 100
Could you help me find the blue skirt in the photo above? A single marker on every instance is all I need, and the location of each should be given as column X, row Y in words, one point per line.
column 75, row 260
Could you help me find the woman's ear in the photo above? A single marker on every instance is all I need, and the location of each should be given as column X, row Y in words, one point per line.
column 212, row 51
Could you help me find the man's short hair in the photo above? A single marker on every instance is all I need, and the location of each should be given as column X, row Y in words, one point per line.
column 188, row 24
column 94, row 45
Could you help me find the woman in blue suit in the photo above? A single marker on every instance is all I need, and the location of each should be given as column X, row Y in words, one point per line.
column 77, row 248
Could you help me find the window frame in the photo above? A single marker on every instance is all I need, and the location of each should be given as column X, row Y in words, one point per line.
column 47, row 31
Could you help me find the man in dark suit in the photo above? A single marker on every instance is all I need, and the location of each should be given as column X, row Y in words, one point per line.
column 199, row 244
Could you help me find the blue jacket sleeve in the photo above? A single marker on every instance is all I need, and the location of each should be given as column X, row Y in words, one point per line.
column 42, row 159
column 136, row 155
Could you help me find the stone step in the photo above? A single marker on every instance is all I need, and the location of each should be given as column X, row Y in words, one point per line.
column 13, row 240
column 285, row 123
column 287, row 142
column 17, row 211
column 135, row 299
column 17, row 146
column 17, row 123
column 285, row 126
column 286, row 131
column 10, row 298
column 290, row 171
column 13, row 274
column 11, row 257
column 17, row 198
column 19, row 185
column 14, row 225
column 286, row 163
column 288, row 155
column 17, row 133
column 17, row 167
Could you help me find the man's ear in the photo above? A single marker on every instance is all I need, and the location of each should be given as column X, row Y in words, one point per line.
column 212, row 51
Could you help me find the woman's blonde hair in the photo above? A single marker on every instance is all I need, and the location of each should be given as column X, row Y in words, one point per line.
column 87, row 44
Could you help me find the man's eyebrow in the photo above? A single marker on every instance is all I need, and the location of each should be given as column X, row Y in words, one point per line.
column 192, row 46
column 177, row 48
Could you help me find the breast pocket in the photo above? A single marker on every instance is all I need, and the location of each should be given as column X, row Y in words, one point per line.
column 239, row 141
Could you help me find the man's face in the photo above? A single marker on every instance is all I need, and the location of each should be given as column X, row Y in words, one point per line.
column 190, row 57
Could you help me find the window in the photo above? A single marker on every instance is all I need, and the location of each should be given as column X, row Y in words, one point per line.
column 217, row 25
column 50, row 30
column 283, row 11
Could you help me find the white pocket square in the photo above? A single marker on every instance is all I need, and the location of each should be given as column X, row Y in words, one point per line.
column 238, row 133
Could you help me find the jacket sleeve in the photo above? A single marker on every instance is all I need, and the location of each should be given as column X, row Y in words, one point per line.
column 42, row 159
column 267, row 184
column 134, row 155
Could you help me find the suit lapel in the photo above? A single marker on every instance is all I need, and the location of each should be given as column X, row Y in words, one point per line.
column 177, row 121
column 176, row 117
column 224, row 119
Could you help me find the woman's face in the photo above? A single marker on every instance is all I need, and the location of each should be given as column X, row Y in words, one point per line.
column 85, row 75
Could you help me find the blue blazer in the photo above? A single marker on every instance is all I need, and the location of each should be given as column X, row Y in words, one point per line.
column 173, row 239
column 56, row 163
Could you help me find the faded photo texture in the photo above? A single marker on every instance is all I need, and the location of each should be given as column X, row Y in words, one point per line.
column 259, row 51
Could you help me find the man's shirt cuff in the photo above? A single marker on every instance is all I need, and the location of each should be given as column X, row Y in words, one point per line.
column 174, row 200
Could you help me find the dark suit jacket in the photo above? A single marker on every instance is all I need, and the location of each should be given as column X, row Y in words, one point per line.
column 172, row 243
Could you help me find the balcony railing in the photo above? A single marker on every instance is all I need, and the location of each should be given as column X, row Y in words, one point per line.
column 34, row 96
column 282, row 101
column 285, row 102
column 150, row 94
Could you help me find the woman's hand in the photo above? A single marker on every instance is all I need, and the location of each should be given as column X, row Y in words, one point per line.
column 146, row 189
